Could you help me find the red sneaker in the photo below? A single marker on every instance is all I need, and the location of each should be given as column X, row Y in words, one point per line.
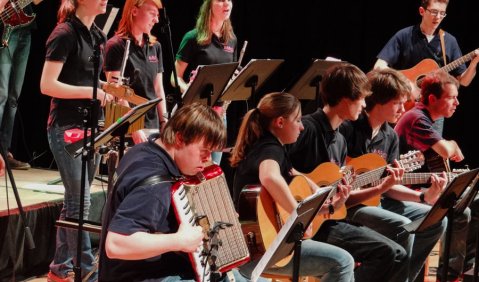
column 52, row 277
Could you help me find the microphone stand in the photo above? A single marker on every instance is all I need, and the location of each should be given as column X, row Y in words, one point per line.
column 21, row 211
column 90, row 121
column 215, row 242
column 174, row 98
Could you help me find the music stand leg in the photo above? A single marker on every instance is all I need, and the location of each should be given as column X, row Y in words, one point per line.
column 476, row 259
column 296, row 236
column 296, row 260
column 447, row 244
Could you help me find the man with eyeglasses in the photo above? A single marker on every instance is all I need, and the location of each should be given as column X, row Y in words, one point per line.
column 407, row 48
column 411, row 45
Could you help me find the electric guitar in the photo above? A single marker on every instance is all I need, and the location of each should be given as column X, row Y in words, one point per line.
column 417, row 73
column 13, row 17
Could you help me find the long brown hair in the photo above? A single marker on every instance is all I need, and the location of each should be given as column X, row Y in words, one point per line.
column 126, row 22
column 66, row 10
column 203, row 26
column 257, row 121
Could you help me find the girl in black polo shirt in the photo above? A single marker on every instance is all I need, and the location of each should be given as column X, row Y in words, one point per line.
column 260, row 158
column 68, row 78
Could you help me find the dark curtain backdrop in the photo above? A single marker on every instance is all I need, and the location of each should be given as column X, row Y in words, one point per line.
column 353, row 31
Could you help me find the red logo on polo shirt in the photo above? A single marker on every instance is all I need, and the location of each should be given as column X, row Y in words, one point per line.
column 228, row 49
column 153, row 59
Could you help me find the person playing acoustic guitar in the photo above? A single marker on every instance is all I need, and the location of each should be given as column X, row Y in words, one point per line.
column 343, row 91
column 439, row 92
column 260, row 158
column 371, row 133
column 410, row 46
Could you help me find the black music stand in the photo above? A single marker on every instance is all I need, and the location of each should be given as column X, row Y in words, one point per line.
column 250, row 79
column 209, row 83
column 290, row 236
column 117, row 129
column 445, row 206
column 307, row 86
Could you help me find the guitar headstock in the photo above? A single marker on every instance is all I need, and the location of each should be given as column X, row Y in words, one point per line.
column 411, row 161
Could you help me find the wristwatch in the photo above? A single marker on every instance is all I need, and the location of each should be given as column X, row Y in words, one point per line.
column 331, row 208
column 421, row 198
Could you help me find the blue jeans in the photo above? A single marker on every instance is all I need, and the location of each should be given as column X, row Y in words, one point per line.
column 66, row 239
column 322, row 260
column 379, row 257
column 389, row 220
column 13, row 63
column 237, row 275
column 216, row 156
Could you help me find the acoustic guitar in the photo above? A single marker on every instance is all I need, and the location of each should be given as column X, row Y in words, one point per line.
column 417, row 73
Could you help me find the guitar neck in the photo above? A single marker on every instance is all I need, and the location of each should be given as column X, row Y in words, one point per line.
column 456, row 63
column 369, row 177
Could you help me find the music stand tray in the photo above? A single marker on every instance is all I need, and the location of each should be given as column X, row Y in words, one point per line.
column 250, row 78
column 209, row 83
column 122, row 123
column 307, row 86
column 438, row 211
column 281, row 247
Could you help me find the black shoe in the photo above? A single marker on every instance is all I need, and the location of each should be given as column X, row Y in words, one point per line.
column 16, row 164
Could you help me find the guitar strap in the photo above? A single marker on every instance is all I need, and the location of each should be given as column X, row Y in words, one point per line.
column 443, row 46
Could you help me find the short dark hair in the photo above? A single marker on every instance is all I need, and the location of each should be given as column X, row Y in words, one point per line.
column 386, row 85
column 195, row 122
column 434, row 84
column 425, row 3
column 343, row 81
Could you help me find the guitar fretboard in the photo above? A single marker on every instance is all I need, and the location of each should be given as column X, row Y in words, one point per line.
column 456, row 63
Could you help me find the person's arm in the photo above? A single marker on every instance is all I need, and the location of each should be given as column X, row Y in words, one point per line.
column 271, row 178
column 142, row 245
column 466, row 77
column 51, row 86
column 160, row 93
column 360, row 195
column 180, row 67
column 403, row 193
column 448, row 149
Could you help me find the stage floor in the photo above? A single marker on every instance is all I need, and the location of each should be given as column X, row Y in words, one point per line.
column 42, row 203
column 35, row 192
column 34, row 188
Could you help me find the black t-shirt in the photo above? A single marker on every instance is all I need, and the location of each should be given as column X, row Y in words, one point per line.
column 194, row 54
column 358, row 137
column 73, row 44
column 317, row 143
column 266, row 148
column 133, row 208
column 146, row 61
